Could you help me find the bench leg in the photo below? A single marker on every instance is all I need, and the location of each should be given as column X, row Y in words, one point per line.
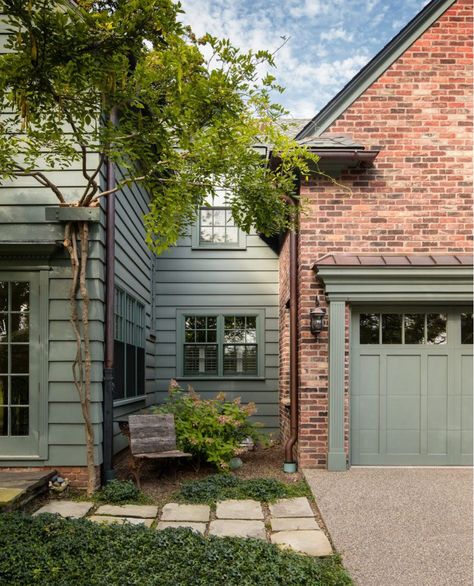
column 135, row 466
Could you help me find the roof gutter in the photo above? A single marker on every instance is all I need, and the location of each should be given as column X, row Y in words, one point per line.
column 360, row 155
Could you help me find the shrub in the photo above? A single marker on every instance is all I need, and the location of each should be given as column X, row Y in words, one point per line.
column 50, row 551
column 226, row 486
column 119, row 491
column 210, row 429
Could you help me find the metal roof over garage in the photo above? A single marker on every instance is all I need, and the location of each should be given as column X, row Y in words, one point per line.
column 395, row 260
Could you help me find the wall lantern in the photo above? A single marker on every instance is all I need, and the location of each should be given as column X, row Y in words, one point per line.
column 316, row 320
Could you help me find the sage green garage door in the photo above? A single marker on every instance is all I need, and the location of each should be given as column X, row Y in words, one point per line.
column 411, row 386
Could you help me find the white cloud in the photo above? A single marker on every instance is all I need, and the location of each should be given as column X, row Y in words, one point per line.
column 329, row 41
column 336, row 33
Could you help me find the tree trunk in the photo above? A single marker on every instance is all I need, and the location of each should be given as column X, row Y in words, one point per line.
column 82, row 363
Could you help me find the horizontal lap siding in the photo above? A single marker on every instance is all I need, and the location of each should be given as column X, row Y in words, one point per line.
column 22, row 218
column 133, row 274
column 219, row 279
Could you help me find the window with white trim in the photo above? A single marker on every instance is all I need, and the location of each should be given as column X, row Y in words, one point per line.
column 220, row 345
column 129, row 347
column 215, row 226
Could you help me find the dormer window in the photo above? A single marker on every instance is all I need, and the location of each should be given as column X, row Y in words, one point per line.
column 216, row 227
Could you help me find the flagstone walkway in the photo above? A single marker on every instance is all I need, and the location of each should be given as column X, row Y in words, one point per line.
column 290, row 523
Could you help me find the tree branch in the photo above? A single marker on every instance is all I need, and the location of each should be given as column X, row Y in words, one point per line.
column 42, row 179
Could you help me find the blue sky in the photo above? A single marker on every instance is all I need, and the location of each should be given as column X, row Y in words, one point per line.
column 329, row 41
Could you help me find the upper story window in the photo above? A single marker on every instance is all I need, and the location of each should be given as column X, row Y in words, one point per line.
column 226, row 344
column 216, row 228
column 129, row 346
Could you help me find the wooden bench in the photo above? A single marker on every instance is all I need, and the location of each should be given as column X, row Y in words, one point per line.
column 151, row 437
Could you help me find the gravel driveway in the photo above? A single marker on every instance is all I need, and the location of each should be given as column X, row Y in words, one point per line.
column 400, row 526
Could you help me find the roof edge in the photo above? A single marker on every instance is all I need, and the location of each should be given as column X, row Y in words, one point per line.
column 375, row 68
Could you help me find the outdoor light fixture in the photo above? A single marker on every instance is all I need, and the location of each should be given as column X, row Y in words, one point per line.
column 316, row 320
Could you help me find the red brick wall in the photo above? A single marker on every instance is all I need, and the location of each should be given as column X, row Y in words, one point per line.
column 284, row 339
column 416, row 198
column 77, row 475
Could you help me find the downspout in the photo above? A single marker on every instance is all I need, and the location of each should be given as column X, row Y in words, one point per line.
column 290, row 465
column 109, row 372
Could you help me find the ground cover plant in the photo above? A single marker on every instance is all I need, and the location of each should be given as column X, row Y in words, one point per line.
column 50, row 550
column 226, row 486
column 120, row 492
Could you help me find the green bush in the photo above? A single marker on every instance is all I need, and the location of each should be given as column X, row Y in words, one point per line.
column 209, row 429
column 119, row 491
column 225, row 486
column 50, row 551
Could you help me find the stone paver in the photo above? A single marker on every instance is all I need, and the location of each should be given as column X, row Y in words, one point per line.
column 399, row 526
column 121, row 520
column 293, row 524
column 72, row 509
column 143, row 511
column 313, row 543
column 239, row 509
column 178, row 512
column 198, row 527
column 296, row 507
column 237, row 528
column 8, row 495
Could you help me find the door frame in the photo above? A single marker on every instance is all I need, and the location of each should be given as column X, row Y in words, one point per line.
column 36, row 449
column 385, row 284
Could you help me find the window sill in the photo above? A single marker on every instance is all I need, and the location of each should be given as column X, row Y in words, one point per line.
column 129, row 400
column 220, row 378
column 217, row 247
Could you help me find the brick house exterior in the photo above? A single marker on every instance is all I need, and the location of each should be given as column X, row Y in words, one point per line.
column 415, row 199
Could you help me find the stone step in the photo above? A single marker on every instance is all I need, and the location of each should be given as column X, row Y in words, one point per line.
column 20, row 487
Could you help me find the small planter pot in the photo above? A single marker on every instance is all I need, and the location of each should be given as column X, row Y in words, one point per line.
column 235, row 463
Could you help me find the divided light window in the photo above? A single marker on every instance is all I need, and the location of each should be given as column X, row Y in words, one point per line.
column 403, row 328
column 129, row 346
column 220, row 345
column 14, row 358
column 216, row 227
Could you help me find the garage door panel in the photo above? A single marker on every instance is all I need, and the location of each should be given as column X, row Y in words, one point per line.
column 466, row 413
column 369, row 441
column 403, row 413
column 437, row 376
column 406, row 442
column 403, row 375
column 466, row 375
column 466, row 443
column 437, row 442
column 369, row 375
column 437, row 418
column 370, row 408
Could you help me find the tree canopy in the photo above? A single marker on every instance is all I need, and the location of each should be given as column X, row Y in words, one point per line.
column 189, row 111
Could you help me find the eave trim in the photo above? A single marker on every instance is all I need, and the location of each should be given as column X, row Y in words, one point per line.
column 398, row 284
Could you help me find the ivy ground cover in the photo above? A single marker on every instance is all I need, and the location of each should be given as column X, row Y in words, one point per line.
column 49, row 550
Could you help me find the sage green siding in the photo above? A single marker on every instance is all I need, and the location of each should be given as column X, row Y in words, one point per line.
column 134, row 274
column 219, row 279
column 22, row 220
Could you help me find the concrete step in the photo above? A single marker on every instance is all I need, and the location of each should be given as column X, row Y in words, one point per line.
column 19, row 488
